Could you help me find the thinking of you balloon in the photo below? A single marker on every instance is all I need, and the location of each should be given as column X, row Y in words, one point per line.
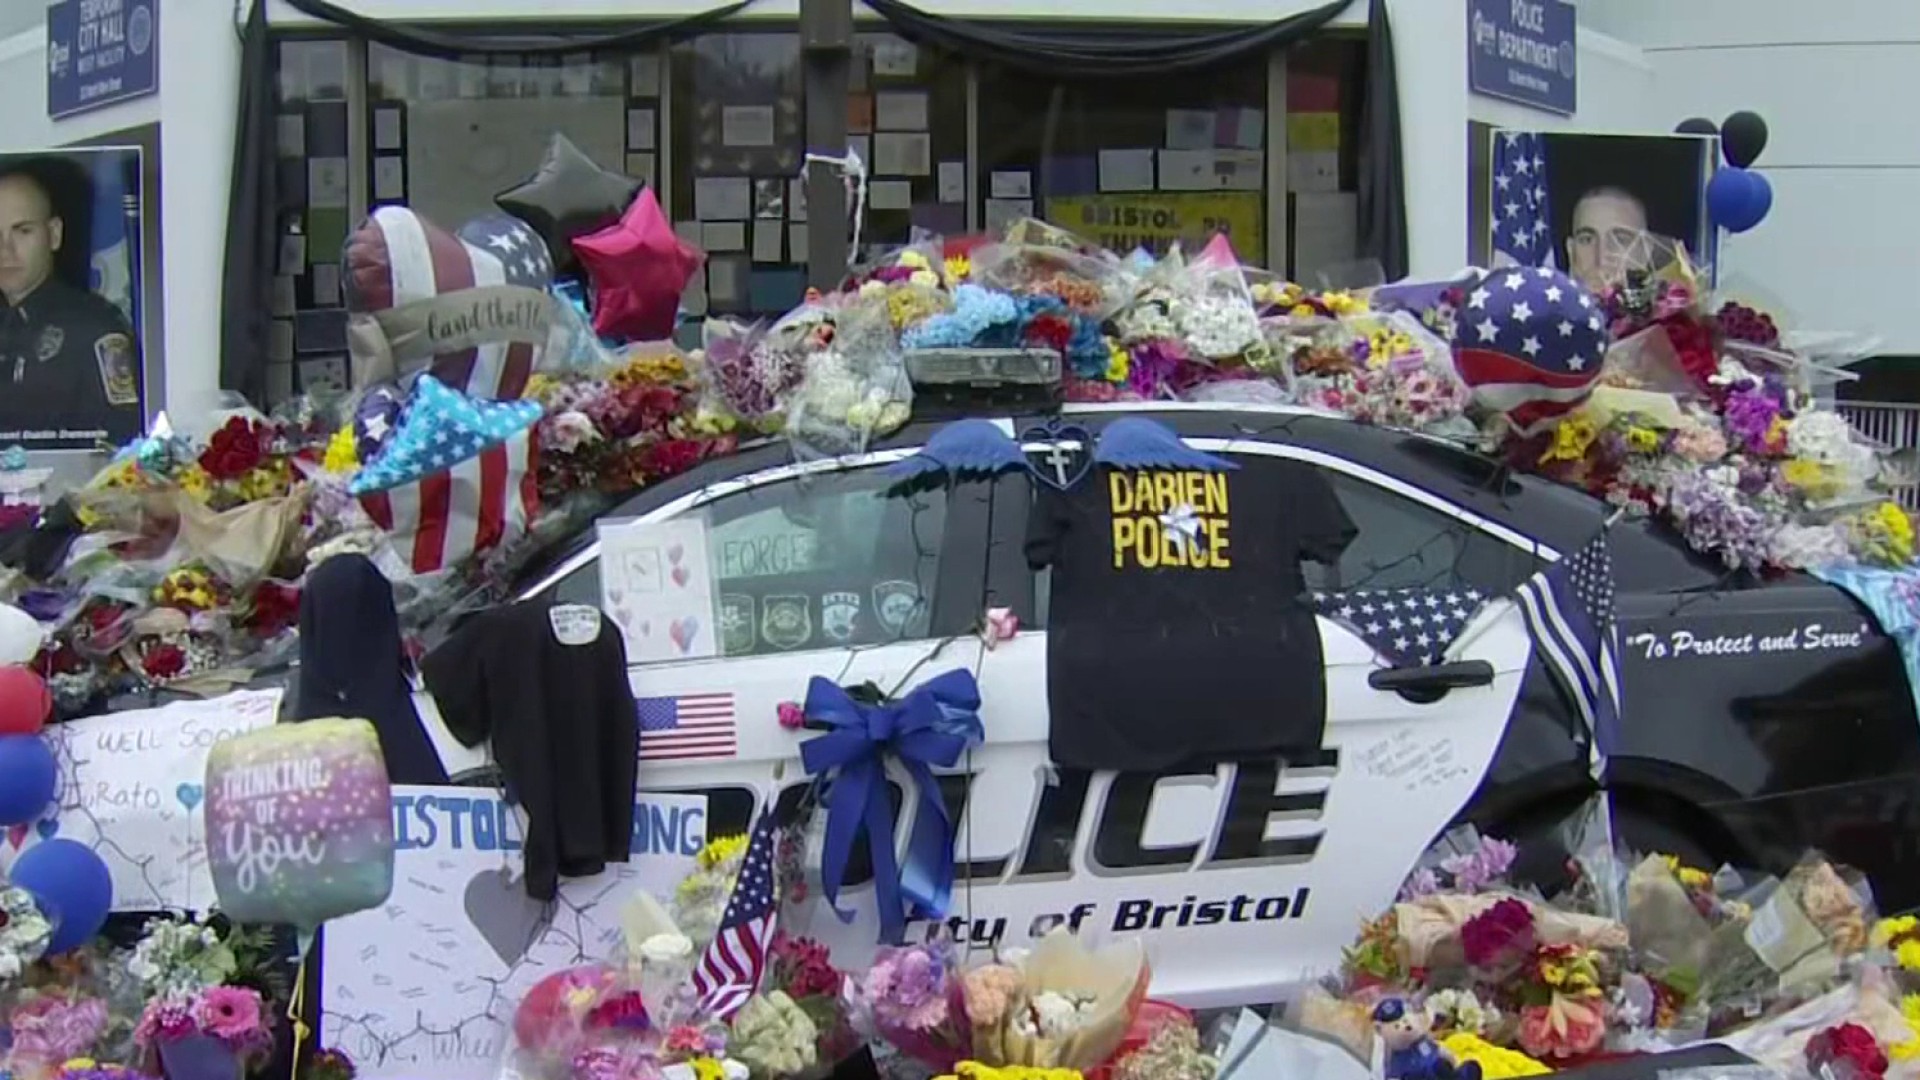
column 300, row 822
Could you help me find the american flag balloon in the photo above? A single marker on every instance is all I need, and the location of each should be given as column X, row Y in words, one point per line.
column 456, row 477
column 1530, row 342
column 399, row 266
column 1521, row 213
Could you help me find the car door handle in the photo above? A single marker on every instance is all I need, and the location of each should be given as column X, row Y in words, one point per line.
column 1429, row 683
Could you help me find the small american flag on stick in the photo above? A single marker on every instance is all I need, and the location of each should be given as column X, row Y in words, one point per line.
column 729, row 971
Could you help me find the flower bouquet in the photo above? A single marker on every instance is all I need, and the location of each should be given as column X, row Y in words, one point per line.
column 218, row 1033
column 1073, row 1004
column 911, row 998
column 50, row 1027
column 24, row 932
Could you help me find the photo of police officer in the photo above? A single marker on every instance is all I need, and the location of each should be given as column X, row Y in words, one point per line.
column 70, row 371
column 1615, row 203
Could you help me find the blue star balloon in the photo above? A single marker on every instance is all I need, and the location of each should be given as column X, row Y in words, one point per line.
column 441, row 429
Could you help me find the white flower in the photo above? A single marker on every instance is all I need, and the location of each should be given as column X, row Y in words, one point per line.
column 570, row 430
column 666, row 948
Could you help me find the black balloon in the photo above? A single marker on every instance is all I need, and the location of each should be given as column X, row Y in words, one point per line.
column 1698, row 125
column 570, row 196
column 1742, row 138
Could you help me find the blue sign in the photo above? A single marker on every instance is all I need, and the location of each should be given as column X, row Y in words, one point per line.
column 100, row 53
column 1523, row 51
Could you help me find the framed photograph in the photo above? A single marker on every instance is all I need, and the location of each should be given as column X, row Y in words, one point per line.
column 72, row 298
column 1593, row 205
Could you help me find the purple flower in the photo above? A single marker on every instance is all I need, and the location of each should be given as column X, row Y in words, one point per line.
column 1484, row 865
column 1422, row 882
column 1152, row 367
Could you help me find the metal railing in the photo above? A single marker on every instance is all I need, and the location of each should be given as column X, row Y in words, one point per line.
column 1891, row 423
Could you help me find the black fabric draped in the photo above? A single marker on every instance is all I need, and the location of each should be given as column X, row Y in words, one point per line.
column 252, row 220
column 1383, row 183
column 454, row 46
column 1076, row 54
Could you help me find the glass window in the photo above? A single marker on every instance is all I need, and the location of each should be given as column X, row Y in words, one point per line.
column 823, row 562
column 907, row 119
column 308, row 347
column 1130, row 163
column 1326, row 78
column 1398, row 543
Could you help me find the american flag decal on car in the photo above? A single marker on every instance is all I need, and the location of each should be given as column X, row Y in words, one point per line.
column 687, row 726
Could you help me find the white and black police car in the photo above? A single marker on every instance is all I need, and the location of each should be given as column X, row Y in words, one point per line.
column 1762, row 719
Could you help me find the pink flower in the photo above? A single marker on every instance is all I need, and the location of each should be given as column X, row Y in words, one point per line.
column 54, row 1029
column 229, row 1013
column 792, row 717
column 1569, row 1027
column 1001, row 625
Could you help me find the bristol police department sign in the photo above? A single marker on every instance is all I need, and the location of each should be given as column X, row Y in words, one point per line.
column 1523, row 51
column 100, row 53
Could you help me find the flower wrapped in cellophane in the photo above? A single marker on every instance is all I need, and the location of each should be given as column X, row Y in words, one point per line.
column 1069, row 1008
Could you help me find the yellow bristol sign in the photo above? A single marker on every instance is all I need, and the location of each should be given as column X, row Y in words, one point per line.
column 1155, row 220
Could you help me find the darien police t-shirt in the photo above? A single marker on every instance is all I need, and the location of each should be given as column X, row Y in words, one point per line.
column 1179, row 632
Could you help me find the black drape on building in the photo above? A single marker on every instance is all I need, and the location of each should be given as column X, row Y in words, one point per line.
column 252, row 226
column 1100, row 55
column 1383, row 183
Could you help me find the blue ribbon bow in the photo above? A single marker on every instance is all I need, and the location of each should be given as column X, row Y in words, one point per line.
column 932, row 725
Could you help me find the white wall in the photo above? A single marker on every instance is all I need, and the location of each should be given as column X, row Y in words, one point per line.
column 1836, row 82
column 200, row 65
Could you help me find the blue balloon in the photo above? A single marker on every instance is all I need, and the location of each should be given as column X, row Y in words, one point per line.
column 28, row 778
column 71, row 885
column 1737, row 199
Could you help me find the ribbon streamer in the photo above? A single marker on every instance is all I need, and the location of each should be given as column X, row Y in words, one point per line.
column 931, row 726
column 1183, row 524
column 853, row 173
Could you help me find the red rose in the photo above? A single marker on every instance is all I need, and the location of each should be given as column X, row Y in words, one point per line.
column 234, row 450
column 1498, row 933
column 1849, row 1043
column 164, row 661
column 1692, row 343
column 275, row 607
column 670, row 457
column 1050, row 330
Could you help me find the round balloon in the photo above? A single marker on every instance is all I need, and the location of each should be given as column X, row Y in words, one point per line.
column 1735, row 201
column 1531, row 342
column 71, row 885
column 28, row 779
column 24, row 701
column 300, row 822
column 1742, row 136
column 1697, row 125
column 21, row 635
column 375, row 416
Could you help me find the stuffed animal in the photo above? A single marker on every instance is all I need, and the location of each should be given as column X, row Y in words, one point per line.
column 1411, row 1052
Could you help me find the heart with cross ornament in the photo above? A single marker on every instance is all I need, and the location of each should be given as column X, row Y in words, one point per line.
column 1067, row 458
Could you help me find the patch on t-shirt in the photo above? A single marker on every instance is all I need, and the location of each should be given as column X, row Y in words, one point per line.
column 575, row 624
column 1170, row 519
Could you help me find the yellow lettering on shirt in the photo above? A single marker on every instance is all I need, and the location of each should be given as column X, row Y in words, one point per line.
column 1169, row 519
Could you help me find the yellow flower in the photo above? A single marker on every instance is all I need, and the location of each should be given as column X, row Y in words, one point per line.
column 958, row 268
column 1886, row 930
column 1496, row 1062
column 1341, row 302
column 650, row 370
column 265, row 481
column 1695, row 878
column 1570, row 440
column 914, row 259
column 1643, row 440
column 706, row 1068
column 1552, row 973
column 1777, row 432
column 79, row 1064
column 1908, row 955
column 540, row 385
column 343, row 453
column 721, row 850
column 1817, row 480
column 1119, row 362
column 195, row 482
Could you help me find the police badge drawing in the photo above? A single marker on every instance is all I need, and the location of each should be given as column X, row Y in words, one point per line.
column 656, row 584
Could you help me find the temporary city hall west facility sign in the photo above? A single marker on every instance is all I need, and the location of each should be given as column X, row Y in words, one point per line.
column 1523, row 51
column 100, row 53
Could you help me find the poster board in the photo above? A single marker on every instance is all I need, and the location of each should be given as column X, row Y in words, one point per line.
column 1156, row 220
column 424, row 987
column 132, row 788
column 460, row 153
column 656, row 583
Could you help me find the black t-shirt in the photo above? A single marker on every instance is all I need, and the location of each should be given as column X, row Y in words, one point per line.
column 564, row 725
column 1179, row 632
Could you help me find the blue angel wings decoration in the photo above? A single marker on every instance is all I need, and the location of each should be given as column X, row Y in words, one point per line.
column 975, row 448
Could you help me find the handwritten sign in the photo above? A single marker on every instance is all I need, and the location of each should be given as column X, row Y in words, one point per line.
column 1697, row 644
column 132, row 788
column 656, row 581
column 1414, row 761
column 424, row 987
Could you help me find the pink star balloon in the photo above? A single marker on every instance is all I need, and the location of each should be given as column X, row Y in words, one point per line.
column 638, row 268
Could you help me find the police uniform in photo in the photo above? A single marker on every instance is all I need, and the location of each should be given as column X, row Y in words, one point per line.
column 68, row 361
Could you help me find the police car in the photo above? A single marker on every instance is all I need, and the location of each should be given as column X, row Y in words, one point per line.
column 1761, row 719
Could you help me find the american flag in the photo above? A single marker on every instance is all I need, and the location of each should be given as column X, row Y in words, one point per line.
column 456, row 477
column 1408, row 627
column 1521, row 221
column 1569, row 612
column 1530, row 343
column 729, row 971
column 398, row 258
column 687, row 726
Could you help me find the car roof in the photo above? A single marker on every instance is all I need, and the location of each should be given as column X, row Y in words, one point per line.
column 1648, row 556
